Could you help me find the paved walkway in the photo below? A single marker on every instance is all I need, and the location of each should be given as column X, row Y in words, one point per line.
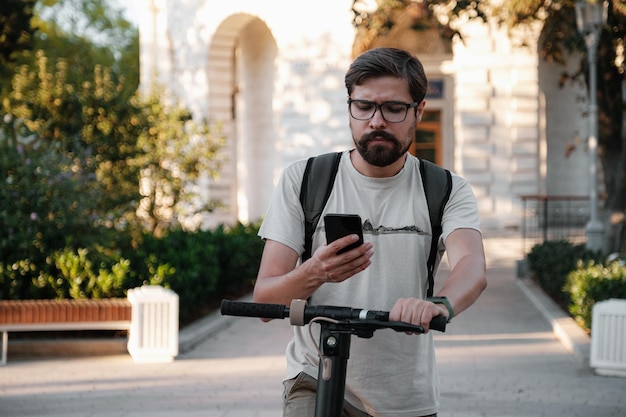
column 500, row 358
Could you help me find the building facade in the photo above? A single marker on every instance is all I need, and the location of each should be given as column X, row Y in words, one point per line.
column 271, row 73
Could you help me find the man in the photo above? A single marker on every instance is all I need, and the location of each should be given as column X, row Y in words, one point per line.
column 391, row 374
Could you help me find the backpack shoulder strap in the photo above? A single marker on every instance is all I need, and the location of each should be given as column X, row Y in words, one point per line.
column 317, row 184
column 437, row 187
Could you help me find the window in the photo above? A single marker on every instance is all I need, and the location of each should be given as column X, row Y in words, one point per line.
column 427, row 140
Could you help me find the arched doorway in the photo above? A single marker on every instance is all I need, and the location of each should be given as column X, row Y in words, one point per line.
column 241, row 75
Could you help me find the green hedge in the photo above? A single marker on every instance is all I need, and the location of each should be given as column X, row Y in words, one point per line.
column 551, row 261
column 184, row 262
column 591, row 283
column 201, row 267
column 576, row 277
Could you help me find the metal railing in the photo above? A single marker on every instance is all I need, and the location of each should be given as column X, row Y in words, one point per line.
column 553, row 217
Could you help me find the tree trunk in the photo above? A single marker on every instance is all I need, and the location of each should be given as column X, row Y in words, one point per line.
column 615, row 207
column 612, row 148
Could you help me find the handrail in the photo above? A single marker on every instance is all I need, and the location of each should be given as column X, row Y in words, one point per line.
column 545, row 197
column 551, row 217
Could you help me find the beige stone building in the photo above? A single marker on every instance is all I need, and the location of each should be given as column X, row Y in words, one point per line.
column 272, row 73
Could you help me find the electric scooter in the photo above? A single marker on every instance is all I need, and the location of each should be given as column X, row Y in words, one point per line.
column 338, row 324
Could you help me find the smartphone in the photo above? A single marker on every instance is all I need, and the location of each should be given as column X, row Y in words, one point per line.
column 340, row 225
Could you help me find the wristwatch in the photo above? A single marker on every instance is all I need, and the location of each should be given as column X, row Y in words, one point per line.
column 445, row 302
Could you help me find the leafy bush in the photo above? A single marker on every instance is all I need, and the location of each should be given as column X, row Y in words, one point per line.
column 17, row 278
column 185, row 262
column 66, row 273
column 201, row 267
column 78, row 278
column 591, row 283
column 239, row 253
column 551, row 261
column 47, row 203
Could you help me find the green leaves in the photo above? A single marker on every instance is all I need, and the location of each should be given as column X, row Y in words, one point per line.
column 551, row 261
column 16, row 32
column 176, row 152
column 591, row 283
column 87, row 163
column 575, row 277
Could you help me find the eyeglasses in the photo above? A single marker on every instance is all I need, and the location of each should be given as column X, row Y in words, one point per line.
column 392, row 111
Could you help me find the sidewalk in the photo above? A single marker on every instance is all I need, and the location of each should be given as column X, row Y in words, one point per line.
column 500, row 358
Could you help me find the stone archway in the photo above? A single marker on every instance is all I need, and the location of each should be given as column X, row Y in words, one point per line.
column 241, row 76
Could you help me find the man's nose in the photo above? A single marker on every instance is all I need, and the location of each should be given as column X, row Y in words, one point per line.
column 377, row 121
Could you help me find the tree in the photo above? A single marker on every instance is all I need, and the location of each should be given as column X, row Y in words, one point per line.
column 82, row 33
column 83, row 150
column 16, row 34
column 558, row 40
column 177, row 152
column 437, row 15
column 86, row 33
column 69, row 173
column 76, row 142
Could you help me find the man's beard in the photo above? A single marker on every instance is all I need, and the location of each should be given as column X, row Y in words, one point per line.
column 380, row 155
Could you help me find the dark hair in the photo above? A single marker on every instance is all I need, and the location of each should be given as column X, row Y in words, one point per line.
column 381, row 62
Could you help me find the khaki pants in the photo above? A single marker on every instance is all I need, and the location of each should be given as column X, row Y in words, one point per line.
column 299, row 396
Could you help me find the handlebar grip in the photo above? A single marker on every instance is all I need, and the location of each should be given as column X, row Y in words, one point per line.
column 265, row 311
column 439, row 323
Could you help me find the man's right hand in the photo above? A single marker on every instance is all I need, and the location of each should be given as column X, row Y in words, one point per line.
column 337, row 268
column 279, row 280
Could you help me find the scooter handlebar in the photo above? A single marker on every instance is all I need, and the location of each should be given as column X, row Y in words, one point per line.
column 265, row 311
column 301, row 314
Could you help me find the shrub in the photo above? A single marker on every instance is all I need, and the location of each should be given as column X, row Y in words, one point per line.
column 591, row 283
column 551, row 261
column 185, row 262
column 239, row 252
column 201, row 267
column 78, row 277
column 66, row 273
column 16, row 280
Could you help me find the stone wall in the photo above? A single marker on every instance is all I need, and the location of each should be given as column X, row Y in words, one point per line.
column 273, row 77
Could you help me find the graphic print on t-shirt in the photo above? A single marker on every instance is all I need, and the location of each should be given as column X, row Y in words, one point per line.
column 368, row 228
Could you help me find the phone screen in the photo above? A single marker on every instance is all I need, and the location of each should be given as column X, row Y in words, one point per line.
column 340, row 225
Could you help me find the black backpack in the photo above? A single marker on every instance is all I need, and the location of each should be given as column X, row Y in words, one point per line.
column 317, row 184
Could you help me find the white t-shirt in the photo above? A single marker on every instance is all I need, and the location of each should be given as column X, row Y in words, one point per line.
column 391, row 374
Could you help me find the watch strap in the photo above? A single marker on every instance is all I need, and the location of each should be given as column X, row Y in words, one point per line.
column 445, row 302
